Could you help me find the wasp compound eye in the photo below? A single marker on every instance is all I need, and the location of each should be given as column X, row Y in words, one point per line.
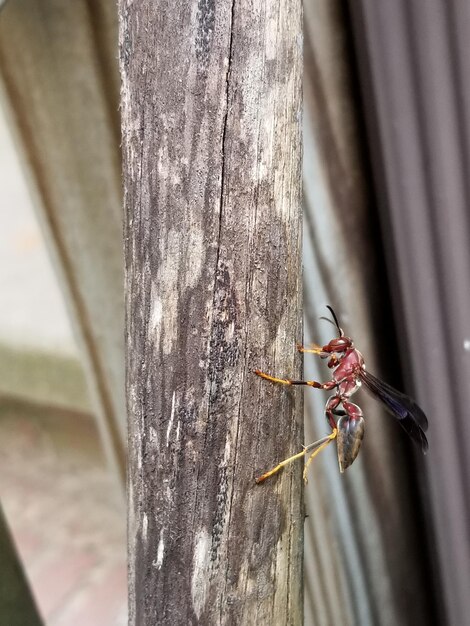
column 339, row 345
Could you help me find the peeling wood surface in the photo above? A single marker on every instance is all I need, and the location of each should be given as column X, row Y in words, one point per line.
column 211, row 105
column 60, row 77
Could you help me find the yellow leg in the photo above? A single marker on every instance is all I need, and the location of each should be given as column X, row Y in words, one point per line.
column 321, row 447
column 315, row 349
column 282, row 381
column 299, row 455
column 320, row 444
column 288, row 381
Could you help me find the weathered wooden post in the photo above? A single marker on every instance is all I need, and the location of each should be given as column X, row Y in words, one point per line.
column 211, row 105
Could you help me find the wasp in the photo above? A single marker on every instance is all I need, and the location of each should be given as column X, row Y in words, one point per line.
column 345, row 418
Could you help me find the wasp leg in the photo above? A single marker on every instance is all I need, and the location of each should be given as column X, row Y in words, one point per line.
column 321, row 442
column 299, row 455
column 315, row 349
column 331, row 384
column 329, row 439
column 331, row 410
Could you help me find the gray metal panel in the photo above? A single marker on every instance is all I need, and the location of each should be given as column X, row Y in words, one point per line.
column 365, row 562
column 414, row 68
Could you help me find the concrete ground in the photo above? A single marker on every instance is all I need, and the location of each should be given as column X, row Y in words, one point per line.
column 65, row 514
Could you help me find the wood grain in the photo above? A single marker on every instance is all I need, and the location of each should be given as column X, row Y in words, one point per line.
column 211, row 101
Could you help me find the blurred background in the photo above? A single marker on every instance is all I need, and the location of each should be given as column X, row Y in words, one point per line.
column 62, row 410
column 386, row 242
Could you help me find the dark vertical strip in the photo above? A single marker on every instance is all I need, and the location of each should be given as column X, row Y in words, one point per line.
column 17, row 606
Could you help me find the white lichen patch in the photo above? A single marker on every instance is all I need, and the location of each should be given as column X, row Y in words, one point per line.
column 160, row 552
column 281, row 333
column 145, row 525
column 281, row 575
column 172, row 417
column 195, row 257
column 163, row 161
column 153, row 436
column 180, row 267
column 272, row 33
column 227, row 450
column 156, row 314
column 201, row 567
column 178, row 431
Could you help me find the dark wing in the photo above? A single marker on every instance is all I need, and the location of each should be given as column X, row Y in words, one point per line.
column 407, row 412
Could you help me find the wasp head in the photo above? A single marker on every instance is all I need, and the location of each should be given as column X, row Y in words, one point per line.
column 339, row 344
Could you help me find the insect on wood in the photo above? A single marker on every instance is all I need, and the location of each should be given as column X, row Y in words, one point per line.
column 344, row 417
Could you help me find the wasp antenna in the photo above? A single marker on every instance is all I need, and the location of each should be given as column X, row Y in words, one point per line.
column 341, row 332
column 327, row 319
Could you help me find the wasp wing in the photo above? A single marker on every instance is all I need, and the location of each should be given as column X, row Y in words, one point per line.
column 407, row 412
